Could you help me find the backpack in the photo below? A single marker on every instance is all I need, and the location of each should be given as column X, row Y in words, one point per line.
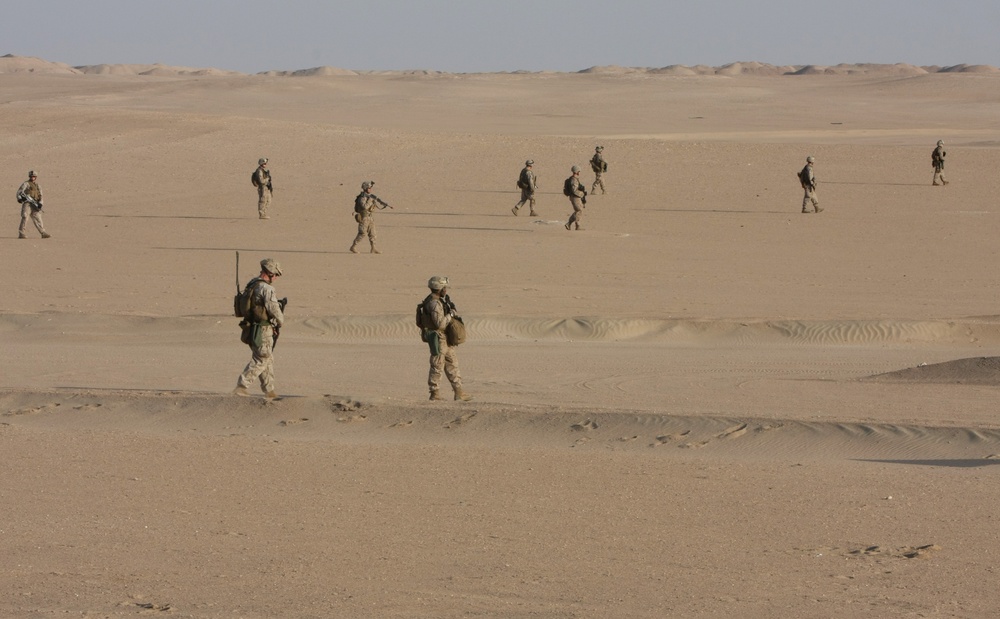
column 804, row 175
column 243, row 301
column 522, row 180
column 569, row 187
column 253, row 179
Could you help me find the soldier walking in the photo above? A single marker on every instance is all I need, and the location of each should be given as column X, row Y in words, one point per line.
column 527, row 182
column 261, row 326
column 29, row 196
column 364, row 213
column 437, row 312
column 262, row 181
column 599, row 166
column 808, row 179
column 937, row 160
column 577, row 193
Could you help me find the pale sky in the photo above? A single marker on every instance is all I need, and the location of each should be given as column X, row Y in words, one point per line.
column 499, row 35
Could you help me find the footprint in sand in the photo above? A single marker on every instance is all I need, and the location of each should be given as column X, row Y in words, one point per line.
column 352, row 418
column 31, row 411
column 733, row 432
column 459, row 420
column 402, row 424
column 346, row 405
column 585, row 426
column 663, row 439
column 87, row 407
column 292, row 422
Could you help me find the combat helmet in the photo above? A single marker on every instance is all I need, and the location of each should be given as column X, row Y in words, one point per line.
column 270, row 265
column 438, row 282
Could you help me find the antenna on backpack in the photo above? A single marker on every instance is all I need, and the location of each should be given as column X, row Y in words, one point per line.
column 237, row 272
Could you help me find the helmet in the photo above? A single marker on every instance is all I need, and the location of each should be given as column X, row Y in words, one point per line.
column 940, row 142
column 262, row 161
column 600, row 148
column 529, row 162
column 810, row 159
column 365, row 186
column 31, row 173
column 437, row 282
column 270, row 265
column 575, row 169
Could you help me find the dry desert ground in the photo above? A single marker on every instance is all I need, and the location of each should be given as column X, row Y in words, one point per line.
column 704, row 404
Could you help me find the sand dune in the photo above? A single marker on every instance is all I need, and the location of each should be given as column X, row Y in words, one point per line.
column 704, row 404
column 11, row 63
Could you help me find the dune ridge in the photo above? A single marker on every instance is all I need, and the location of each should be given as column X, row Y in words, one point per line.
column 11, row 63
column 353, row 328
column 341, row 418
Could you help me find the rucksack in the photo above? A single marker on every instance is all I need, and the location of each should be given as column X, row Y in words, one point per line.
column 253, row 179
column 804, row 175
column 569, row 187
column 522, row 180
column 243, row 301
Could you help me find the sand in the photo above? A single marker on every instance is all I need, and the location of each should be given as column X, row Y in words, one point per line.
column 704, row 404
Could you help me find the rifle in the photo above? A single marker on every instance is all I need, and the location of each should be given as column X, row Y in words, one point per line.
column 32, row 203
column 282, row 302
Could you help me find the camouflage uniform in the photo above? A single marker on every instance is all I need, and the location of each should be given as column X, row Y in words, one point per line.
column 578, row 199
column 266, row 316
column 262, row 178
column 529, row 184
column 30, row 189
column 364, row 213
column 436, row 319
column 808, row 181
column 937, row 160
column 599, row 166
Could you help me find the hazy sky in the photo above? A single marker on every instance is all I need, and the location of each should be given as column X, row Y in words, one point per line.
column 499, row 35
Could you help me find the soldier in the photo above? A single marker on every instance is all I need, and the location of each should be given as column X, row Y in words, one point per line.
column 262, row 181
column 937, row 160
column 364, row 207
column 261, row 327
column 808, row 180
column 599, row 166
column 528, row 183
column 577, row 197
column 437, row 312
column 29, row 196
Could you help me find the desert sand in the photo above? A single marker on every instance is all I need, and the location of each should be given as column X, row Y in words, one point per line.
column 704, row 404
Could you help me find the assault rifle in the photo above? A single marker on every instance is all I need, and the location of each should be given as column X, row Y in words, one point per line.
column 35, row 206
column 277, row 330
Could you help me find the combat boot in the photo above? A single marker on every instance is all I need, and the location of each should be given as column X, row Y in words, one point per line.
column 375, row 251
column 271, row 395
column 354, row 248
column 436, row 395
column 461, row 395
column 241, row 391
column 514, row 210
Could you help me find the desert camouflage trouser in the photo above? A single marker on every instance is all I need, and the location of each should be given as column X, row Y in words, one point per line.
column 598, row 182
column 810, row 196
column 261, row 366
column 939, row 175
column 577, row 215
column 527, row 195
column 36, row 218
column 366, row 227
column 446, row 363
column 263, row 200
